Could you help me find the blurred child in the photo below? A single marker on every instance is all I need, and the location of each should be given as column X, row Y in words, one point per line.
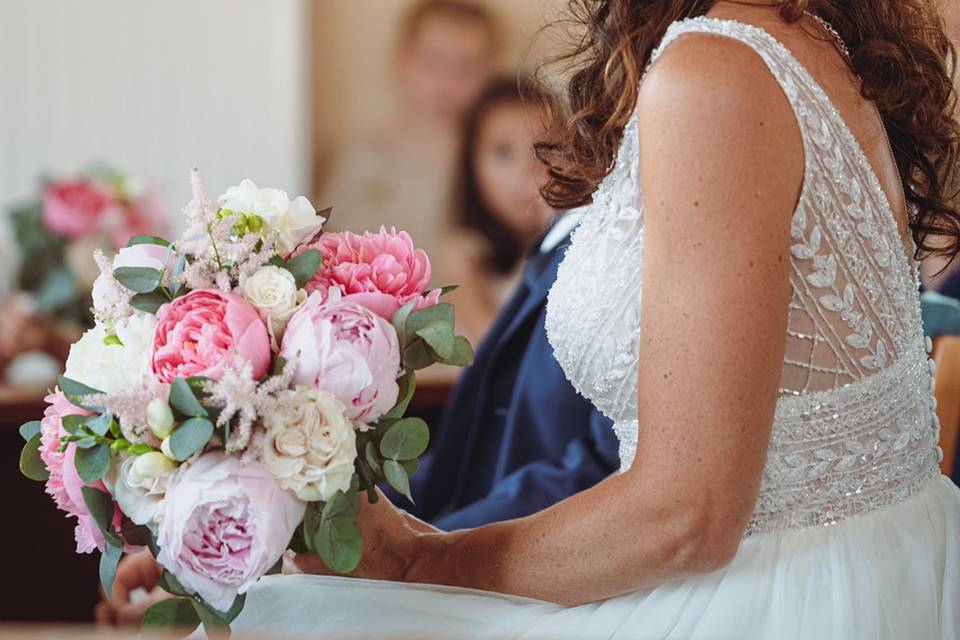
column 497, row 209
column 444, row 56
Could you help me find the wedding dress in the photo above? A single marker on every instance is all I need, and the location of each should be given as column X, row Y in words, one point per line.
column 855, row 533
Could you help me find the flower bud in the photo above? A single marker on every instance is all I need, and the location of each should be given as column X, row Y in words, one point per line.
column 153, row 465
column 165, row 448
column 160, row 418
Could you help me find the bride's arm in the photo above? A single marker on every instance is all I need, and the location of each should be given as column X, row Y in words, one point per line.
column 721, row 163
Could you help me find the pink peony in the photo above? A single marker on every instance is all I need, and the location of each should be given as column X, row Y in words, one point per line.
column 74, row 208
column 200, row 332
column 142, row 215
column 64, row 484
column 225, row 523
column 381, row 271
column 348, row 351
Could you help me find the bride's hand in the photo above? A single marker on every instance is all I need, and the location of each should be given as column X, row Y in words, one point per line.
column 390, row 538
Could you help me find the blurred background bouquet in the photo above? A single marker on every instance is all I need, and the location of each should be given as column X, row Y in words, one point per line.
column 56, row 235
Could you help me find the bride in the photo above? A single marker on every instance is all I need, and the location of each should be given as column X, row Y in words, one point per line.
column 766, row 174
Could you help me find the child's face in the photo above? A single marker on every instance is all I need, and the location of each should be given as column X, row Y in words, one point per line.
column 508, row 174
column 446, row 64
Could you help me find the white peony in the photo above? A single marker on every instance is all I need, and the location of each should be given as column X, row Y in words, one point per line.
column 113, row 367
column 294, row 221
column 310, row 449
column 141, row 484
column 273, row 293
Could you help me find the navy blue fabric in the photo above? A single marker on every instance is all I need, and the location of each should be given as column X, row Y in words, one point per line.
column 515, row 437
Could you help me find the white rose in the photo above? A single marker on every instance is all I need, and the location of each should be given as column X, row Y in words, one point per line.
column 273, row 292
column 295, row 222
column 141, row 484
column 311, row 449
column 113, row 367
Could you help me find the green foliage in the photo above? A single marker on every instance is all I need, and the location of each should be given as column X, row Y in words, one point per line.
column 100, row 424
column 76, row 392
column 304, row 266
column 190, row 437
column 338, row 540
column 144, row 239
column 177, row 613
column 29, row 429
column 31, row 465
column 397, row 477
column 408, row 385
column 138, row 279
column 137, row 535
column 169, row 583
column 92, row 463
column 109, row 560
column 73, row 423
column 462, row 355
column 410, row 466
column 148, row 302
column 183, row 400
column 100, row 506
column 405, row 440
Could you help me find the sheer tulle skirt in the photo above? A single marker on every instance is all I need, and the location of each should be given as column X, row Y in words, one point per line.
column 891, row 574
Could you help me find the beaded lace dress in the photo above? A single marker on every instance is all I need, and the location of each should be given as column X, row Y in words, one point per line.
column 855, row 428
column 855, row 533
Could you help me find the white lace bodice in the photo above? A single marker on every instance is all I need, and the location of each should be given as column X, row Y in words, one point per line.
column 854, row 428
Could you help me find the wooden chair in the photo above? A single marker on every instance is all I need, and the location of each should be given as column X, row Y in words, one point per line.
column 946, row 353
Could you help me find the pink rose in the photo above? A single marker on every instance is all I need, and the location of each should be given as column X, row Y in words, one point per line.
column 64, row 484
column 225, row 523
column 74, row 208
column 381, row 271
column 200, row 332
column 348, row 351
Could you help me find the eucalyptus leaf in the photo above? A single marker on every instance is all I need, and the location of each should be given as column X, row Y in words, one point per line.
column 462, row 355
column 92, row 463
column 410, row 466
column 169, row 583
column 100, row 424
column 297, row 542
column 339, row 543
column 311, row 524
column 29, row 429
column 138, row 279
column 439, row 337
column 399, row 321
column 31, row 464
column 176, row 612
column 396, row 475
column 304, row 266
column 417, row 355
column 145, row 239
column 109, row 560
column 137, row 535
column 73, row 423
column 185, row 401
column 190, row 437
column 148, row 302
column 342, row 504
column 76, row 392
column 370, row 454
column 87, row 442
column 442, row 312
column 100, row 507
column 408, row 385
column 405, row 440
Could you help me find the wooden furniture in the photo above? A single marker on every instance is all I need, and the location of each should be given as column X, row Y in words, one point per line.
column 946, row 353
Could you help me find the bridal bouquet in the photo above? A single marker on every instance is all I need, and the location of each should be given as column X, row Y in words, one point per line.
column 241, row 388
column 59, row 230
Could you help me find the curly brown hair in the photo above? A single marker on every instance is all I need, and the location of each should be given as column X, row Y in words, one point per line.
column 899, row 49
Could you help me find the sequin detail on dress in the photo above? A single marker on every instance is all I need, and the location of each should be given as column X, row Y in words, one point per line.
column 855, row 428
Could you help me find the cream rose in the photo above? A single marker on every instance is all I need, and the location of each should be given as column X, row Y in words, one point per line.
column 310, row 449
column 273, row 292
column 110, row 365
column 141, row 485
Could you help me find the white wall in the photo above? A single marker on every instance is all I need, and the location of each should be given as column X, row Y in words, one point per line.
column 154, row 87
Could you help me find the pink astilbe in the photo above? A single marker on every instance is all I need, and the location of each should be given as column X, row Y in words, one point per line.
column 129, row 407
column 243, row 402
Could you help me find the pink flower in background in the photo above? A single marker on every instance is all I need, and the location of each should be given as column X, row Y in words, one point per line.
column 381, row 271
column 143, row 215
column 198, row 333
column 64, row 485
column 348, row 351
column 225, row 523
column 74, row 208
